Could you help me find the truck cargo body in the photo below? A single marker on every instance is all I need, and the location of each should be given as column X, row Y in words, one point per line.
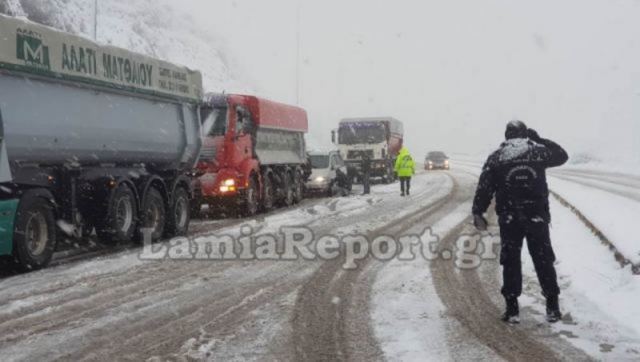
column 82, row 151
column 253, row 155
column 379, row 138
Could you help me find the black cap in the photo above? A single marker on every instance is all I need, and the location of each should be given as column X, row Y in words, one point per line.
column 516, row 129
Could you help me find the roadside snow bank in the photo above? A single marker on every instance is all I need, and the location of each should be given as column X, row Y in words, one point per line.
column 599, row 298
column 614, row 215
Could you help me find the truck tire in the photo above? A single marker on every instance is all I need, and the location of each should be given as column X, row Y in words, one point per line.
column 152, row 215
column 179, row 215
column 267, row 193
column 250, row 203
column 34, row 237
column 298, row 188
column 119, row 221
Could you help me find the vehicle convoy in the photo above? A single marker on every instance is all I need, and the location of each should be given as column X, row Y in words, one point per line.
column 253, row 157
column 436, row 160
column 91, row 136
column 328, row 174
column 378, row 137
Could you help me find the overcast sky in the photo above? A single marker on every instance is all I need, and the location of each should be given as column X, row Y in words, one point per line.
column 454, row 71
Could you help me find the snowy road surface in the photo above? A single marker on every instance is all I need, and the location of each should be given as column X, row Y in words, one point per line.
column 432, row 307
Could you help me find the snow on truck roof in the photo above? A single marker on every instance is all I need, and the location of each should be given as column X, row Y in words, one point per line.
column 395, row 125
column 33, row 48
column 274, row 115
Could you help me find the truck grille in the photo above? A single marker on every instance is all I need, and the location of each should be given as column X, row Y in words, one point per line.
column 356, row 155
column 208, row 154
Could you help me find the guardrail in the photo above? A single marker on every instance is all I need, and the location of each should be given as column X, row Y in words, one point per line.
column 621, row 259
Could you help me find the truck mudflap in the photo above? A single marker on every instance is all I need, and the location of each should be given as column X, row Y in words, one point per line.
column 8, row 210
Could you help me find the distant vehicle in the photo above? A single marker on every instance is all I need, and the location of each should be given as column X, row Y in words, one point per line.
column 379, row 137
column 253, row 156
column 328, row 174
column 436, row 160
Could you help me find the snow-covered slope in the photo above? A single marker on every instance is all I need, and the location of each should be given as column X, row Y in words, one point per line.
column 159, row 28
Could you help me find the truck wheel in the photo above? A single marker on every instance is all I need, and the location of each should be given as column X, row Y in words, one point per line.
column 250, row 206
column 180, row 214
column 298, row 192
column 119, row 221
column 267, row 193
column 153, row 214
column 34, row 237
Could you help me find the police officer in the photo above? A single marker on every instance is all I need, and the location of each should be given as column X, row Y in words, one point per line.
column 405, row 168
column 516, row 175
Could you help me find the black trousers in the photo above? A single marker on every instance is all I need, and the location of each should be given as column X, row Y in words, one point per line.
column 513, row 229
column 405, row 184
column 366, row 183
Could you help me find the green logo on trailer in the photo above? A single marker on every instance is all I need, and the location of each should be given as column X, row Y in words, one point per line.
column 31, row 50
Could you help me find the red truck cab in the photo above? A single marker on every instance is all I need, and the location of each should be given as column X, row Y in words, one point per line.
column 253, row 154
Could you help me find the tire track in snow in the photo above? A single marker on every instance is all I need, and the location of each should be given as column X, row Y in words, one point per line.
column 331, row 318
column 467, row 300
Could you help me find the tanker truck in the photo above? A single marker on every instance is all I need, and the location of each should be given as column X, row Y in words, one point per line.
column 380, row 138
column 253, row 155
column 92, row 137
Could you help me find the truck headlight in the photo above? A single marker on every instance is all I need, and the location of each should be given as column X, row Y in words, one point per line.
column 320, row 179
column 228, row 185
column 225, row 189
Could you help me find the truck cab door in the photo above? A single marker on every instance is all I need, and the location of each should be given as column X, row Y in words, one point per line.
column 244, row 134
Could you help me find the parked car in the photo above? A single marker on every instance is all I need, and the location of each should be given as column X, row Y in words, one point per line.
column 328, row 174
column 436, row 160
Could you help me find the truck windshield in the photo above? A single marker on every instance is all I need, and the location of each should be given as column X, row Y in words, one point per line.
column 319, row 161
column 367, row 133
column 215, row 121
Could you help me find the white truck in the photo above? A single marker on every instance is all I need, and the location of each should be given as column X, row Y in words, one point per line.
column 379, row 138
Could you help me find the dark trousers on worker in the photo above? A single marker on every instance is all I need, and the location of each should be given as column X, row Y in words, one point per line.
column 513, row 229
column 405, row 184
column 366, row 183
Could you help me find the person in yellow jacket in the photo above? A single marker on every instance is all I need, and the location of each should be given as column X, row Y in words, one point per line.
column 405, row 168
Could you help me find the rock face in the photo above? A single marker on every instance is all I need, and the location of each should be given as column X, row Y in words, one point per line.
column 159, row 28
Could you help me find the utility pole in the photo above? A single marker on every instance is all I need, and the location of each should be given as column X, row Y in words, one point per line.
column 95, row 20
column 298, row 14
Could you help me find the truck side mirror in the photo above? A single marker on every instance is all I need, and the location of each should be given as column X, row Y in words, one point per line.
column 333, row 136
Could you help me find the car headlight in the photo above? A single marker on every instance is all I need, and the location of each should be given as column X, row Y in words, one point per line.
column 229, row 182
column 320, row 179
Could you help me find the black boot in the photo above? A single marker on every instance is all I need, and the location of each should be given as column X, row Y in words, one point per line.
column 512, row 314
column 553, row 309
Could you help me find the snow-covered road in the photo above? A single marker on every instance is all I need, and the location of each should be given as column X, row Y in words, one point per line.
column 118, row 306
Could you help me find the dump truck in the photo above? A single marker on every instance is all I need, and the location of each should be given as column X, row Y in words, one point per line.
column 92, row 137
column 380, row 138
column 253, row 157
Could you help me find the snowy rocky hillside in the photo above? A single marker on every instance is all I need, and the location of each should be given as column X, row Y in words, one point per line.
column 154, row 27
